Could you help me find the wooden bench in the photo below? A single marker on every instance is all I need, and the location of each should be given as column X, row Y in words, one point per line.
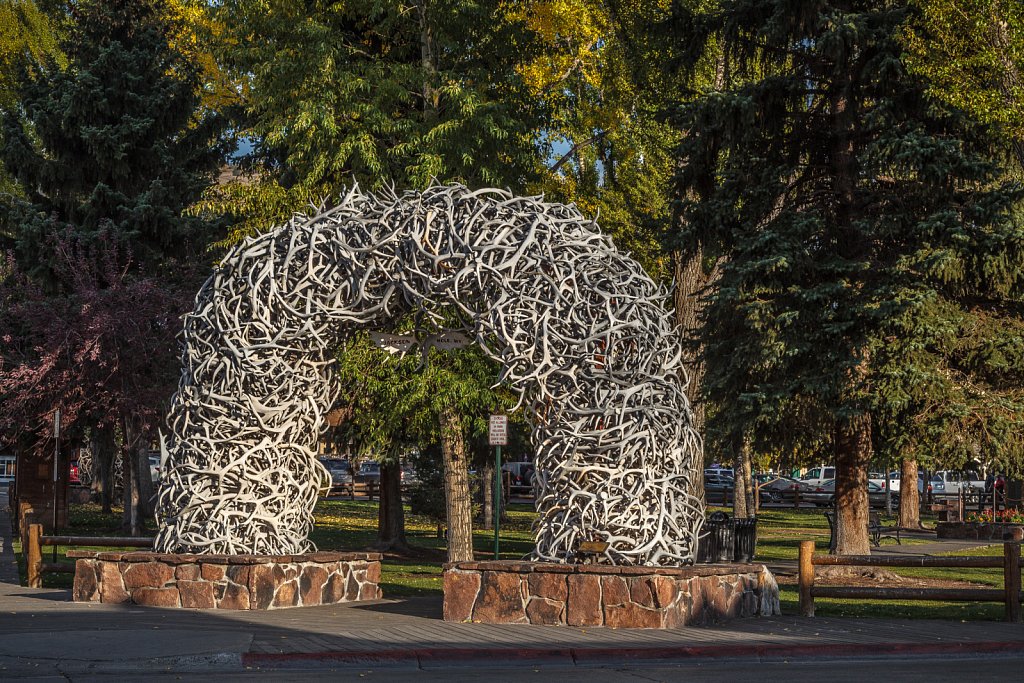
column 876, row 530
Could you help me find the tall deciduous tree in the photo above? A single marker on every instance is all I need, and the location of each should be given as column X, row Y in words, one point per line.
column 972, row 54
column 27, row 36
column 428, row 399
column 854, row 211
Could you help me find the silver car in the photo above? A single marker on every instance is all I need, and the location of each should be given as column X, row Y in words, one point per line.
column 826, row 495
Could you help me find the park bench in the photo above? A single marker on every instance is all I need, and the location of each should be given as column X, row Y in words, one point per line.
column 876, row 530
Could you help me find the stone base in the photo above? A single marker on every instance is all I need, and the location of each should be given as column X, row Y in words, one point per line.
column 225, row 581
column 975, row 530
column 509, row 592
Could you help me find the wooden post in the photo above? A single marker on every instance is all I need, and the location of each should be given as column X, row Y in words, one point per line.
column 806, row 579
column 796, row 498
column 34, row 556
column 1011, row 577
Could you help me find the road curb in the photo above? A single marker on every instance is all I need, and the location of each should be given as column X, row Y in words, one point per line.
column 595, row 655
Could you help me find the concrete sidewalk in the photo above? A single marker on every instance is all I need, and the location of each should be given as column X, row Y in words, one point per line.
column 40, row 630
column 43, row 633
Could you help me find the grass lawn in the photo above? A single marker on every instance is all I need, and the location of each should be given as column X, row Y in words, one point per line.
column 351, row 525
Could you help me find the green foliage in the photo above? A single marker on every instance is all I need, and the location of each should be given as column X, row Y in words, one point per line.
column 382, row 92
column 600, row 73
column 972, row 54
column 872, row 259
column 115, row 143
column 395, row 402
column 27, row 36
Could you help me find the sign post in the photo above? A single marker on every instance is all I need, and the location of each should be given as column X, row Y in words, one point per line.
column 56, row 470
column 497, row 436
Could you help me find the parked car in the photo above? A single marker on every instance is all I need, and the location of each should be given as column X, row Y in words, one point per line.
column 819, row 475
column 409, row 476
column 951, row 482
column 894, row 481
column 340, row 471
column 520, row 474
column 719, row 472
column 716, row 486
column 826, row 495
column 369, row 471
column 784, row 488
column 154, row 466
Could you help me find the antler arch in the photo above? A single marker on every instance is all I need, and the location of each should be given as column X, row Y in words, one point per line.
column 582, row 332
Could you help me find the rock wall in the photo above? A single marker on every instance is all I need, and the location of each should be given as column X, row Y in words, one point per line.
column 225, row 581
column 982, row 531
column 599, row 595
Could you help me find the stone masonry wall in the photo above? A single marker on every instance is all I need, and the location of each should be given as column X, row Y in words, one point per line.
column 975, row 530
column 597, row 595
column 225, row 581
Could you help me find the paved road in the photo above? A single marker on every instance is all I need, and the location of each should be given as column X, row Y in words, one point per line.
column 855, row 670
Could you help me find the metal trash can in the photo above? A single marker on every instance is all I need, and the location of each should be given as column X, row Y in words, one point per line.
column 721, row 546
column 745, row 539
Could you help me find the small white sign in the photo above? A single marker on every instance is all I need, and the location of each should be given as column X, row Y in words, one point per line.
column 449, row 340
column 497, row 430
column 393, row 343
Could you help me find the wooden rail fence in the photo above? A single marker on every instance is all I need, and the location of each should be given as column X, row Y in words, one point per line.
column 1009, row 594
column 35, row 540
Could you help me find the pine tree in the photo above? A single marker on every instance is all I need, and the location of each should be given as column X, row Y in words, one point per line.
column 863, row 226
column 114, row 144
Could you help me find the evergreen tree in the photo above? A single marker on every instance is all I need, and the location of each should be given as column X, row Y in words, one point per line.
column 114, row 144
column 862, row 229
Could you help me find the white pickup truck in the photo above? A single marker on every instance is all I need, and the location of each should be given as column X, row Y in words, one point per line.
column 951, row 482
column 894, row 481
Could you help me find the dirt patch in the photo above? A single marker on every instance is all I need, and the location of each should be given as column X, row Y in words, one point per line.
column 870, row 576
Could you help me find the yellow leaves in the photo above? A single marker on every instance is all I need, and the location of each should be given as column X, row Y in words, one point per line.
column 571, row 33
column 194, row 32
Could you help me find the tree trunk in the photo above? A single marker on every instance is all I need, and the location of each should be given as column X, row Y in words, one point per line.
column 853, row 456
column 743, row 500
column 104, row 451
column 691, row 281
column 488, row 496
column 739, row 495
column 390, row 513
column 748, row 482
column 138, row 484
column 910, row 511
column 147, row 492
column 428, row 61
column 131, row 521
column 456, row 487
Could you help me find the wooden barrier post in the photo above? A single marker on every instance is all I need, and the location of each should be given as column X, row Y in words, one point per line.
column 1011, row 577
column 34, row 556
column 806, row 579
